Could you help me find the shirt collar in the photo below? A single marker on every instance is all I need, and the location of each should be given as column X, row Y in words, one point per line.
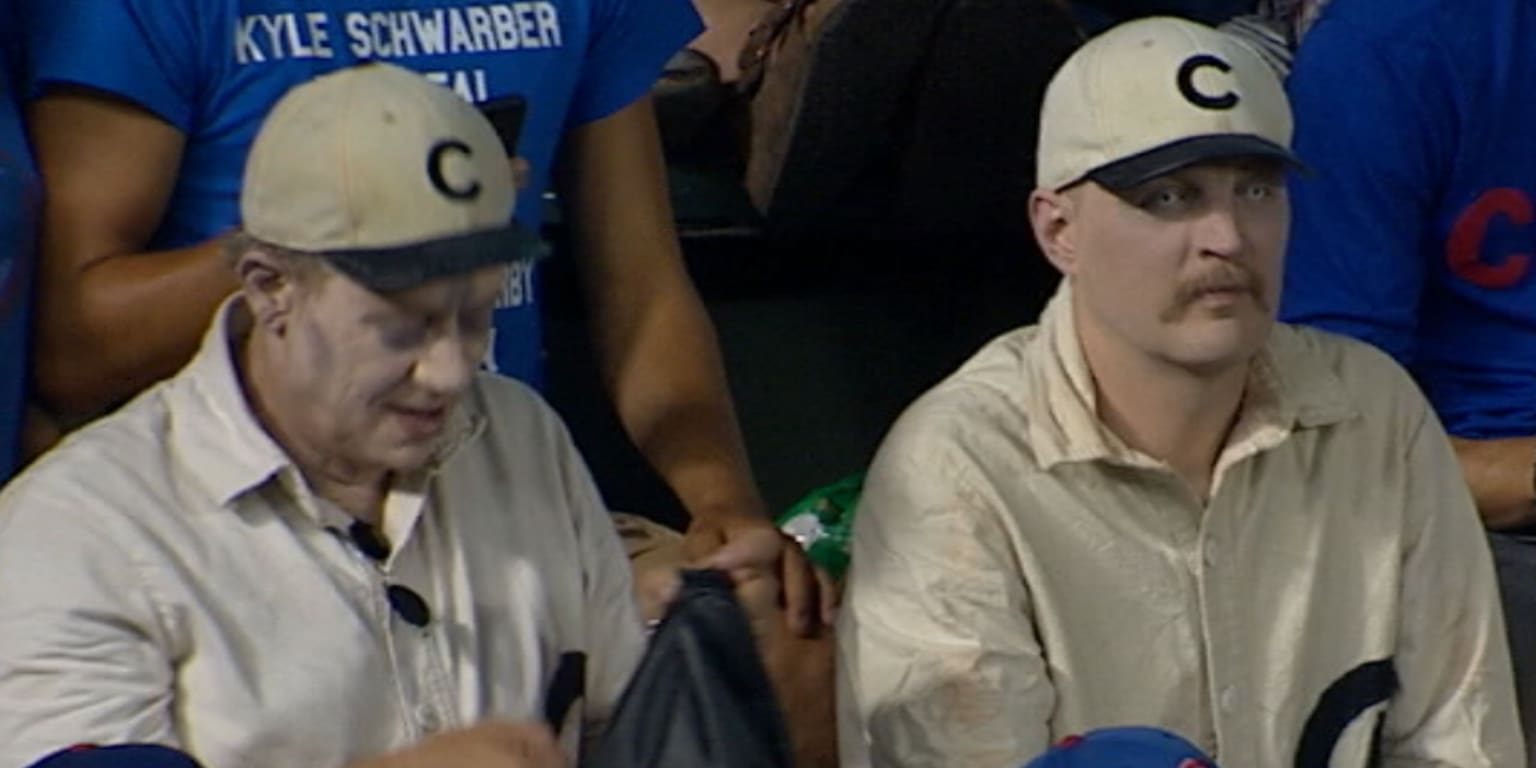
column 217, row 438
column 1285, row 392
column 213, row 432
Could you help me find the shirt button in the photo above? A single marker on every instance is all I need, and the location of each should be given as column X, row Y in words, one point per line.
column 1228, row 700
column 429, row 721
column 1210, row 556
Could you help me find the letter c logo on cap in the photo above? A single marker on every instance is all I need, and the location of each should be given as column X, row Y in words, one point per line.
column 1187, row 72
column 435, row 159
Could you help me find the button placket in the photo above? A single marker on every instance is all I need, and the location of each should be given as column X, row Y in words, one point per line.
column 1223, row 635
column 427, row 720
column 420, row 644
column 373, row 552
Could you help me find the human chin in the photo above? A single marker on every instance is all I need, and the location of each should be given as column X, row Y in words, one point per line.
column 405, row 440
column 1218, row 343
column 401, row 456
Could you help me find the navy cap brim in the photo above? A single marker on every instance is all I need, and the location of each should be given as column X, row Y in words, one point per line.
column 386, row 270
column 1160, row 161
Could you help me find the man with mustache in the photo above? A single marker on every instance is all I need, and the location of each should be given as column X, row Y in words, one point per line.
column 1158, row 506
column 329, row 540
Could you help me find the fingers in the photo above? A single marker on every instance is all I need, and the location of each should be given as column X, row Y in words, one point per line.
column 799, row 592
column 701, row 541
column 757, row 548
column 810, row 596
column 759, row 596
column 656, row 588
column 486, row 745
column 522, row 172
column 831, row 597
column 525, row 745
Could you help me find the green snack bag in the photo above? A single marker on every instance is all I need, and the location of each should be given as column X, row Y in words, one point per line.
column 822, row 522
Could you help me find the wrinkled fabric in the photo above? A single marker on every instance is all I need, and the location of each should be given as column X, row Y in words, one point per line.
column 167, row 576
column 700, row 698
column 1020, row 574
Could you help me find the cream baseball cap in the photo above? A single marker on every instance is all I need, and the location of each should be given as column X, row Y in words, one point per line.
column 1154, row 95
column 392, row 178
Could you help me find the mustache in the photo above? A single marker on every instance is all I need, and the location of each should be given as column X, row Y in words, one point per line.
column 1233, row 277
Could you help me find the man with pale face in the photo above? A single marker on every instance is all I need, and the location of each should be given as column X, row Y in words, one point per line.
column 1157, row 506
column 329, row 540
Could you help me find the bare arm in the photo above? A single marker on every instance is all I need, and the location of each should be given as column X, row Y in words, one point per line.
column 656, row 344
column 658, row 353
column 112, row 319
column 1502, row 474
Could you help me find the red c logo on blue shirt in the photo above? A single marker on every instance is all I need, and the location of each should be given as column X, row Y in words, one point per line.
column 1463, row 249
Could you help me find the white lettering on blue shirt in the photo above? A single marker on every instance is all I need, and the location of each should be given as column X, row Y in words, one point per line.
column 524, row 25
column 263, row 36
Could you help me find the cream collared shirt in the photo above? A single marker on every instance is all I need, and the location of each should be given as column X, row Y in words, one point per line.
column 1020, row 574
column 166, row 576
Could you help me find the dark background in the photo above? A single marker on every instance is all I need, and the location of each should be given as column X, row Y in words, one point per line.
column 825, row 341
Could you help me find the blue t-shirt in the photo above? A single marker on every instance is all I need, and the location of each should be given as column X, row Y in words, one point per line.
column 213, row 68
column 18, row 217
column 1416, row 229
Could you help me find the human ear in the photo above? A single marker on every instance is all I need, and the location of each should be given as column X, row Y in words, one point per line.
column 270, row 285
column 1051, row 215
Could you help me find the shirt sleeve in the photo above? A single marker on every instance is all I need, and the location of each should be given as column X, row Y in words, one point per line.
column 144, row 51
column 1371, row 130
column 937, row 653
column 1456, row 702
column 85, row 658
column 630, row 42
column 616, row 639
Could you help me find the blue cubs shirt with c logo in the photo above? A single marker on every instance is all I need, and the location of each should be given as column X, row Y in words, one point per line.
column 1416, row 230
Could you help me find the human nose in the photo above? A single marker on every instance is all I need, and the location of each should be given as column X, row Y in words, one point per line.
column 447, row 364
column 1219, row 231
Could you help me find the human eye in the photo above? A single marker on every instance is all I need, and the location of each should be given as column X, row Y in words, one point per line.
column 1260, row 190
column 1261, row 184
column 476, row 323
column 1165, row 198
column 403, row 333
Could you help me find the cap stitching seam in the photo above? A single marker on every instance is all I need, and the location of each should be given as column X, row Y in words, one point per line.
column 349, row 202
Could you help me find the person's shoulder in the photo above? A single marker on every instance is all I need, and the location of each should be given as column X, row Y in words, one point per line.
column 507, row 402
column 157, row 55
column 514, row 415
column 524, row 458
column 989, row 378
column 116, row 467
column 1351, row 359
column 1389, row 24
column 100, row 19
column 1332, row 366
column 984, row 402
column 1380, row 16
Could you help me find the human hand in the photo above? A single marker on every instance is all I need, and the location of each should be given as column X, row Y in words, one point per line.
column 522, row 172
column 750, row 548
column 488, row 745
